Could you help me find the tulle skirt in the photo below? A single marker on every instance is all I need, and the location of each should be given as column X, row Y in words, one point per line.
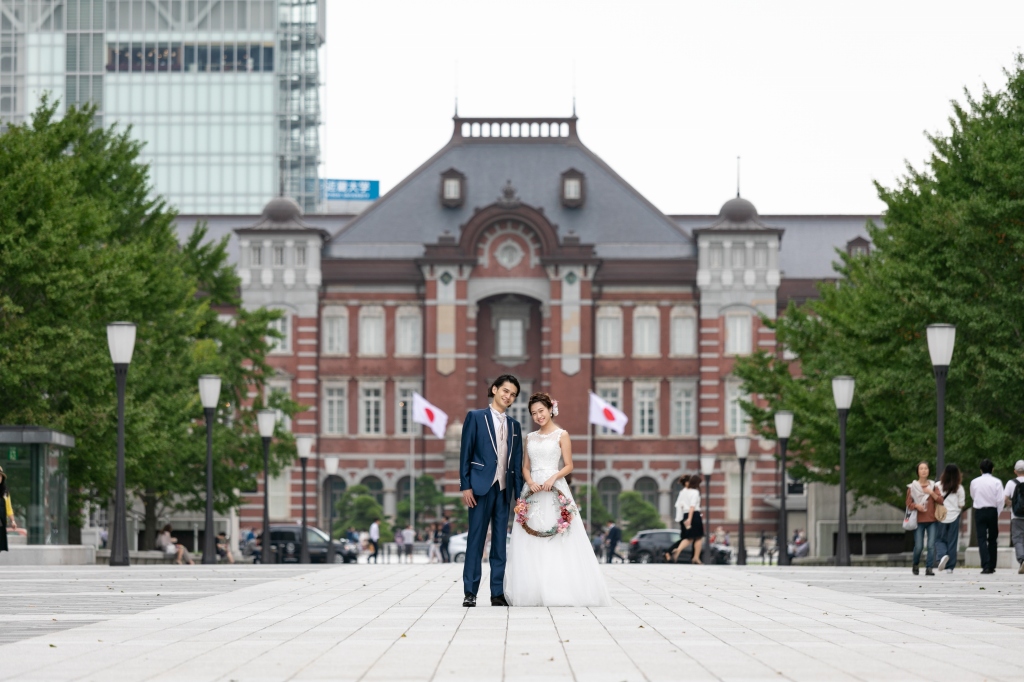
column 555, row 571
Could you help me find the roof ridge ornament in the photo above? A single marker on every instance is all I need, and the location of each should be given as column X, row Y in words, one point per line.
column 509, row 196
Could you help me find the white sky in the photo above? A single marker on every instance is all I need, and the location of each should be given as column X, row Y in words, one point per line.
column 819, row 98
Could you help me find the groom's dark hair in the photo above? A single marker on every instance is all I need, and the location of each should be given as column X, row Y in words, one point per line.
column 501, row 380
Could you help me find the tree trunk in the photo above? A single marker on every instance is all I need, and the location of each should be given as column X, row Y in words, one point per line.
column 149, row 535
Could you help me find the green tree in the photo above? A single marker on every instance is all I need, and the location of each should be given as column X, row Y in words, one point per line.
column 599, row 515
column 357, row 508
column 428, row 498
column 637, row 514
column 952, row 250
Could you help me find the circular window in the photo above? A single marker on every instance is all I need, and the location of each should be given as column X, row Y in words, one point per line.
column 509, row 254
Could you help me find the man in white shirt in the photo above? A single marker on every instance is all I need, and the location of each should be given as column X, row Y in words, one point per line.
column 988, row 500
column 1016, row 521
column 409, row 539
column 374, row 539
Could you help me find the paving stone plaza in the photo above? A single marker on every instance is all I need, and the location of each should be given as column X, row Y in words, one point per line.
column 406, row 622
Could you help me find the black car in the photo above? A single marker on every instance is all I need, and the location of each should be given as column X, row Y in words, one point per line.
column 286, row 546
column 649, row 546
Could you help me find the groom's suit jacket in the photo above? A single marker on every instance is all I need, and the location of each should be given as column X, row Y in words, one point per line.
column 478, row 457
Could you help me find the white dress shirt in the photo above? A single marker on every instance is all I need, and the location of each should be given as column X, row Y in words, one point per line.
column 374, row 532
column 500, row 421
column 987, row 492
column 688, row 497
column 1008, row 491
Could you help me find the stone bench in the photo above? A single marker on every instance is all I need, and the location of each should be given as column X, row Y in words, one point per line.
column 137, row 557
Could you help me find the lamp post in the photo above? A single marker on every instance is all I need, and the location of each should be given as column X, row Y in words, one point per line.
column 941, row 338
column 121, row 341
column 783, row 429
column 209, row 395
column 707, row 467
column 331, row 469
column 742, row 450
column 266, row 420
column 842, row 393
column 304, row 444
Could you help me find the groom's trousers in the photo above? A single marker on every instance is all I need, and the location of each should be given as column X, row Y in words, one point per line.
column 491, row 510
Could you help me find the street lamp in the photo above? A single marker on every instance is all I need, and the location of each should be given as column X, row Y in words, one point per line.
column 304, row 444
column 742, row 450
column 331, row 469
column 707, row 467
column 941, row 338
column 121, row 341
column 266, row 420
column 209, row 395
column 842, row 393
column 783, row 429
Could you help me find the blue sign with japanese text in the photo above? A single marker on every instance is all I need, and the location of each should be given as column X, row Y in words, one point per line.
column 350, row 190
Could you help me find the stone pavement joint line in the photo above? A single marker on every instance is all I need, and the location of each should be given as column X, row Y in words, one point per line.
column 406, row 622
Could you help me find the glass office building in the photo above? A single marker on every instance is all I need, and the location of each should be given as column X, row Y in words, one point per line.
column 224, row 93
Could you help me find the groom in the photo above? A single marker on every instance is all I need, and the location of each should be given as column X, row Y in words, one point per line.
column 490, row 476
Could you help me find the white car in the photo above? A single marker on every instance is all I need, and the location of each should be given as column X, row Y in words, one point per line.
column 457, row 547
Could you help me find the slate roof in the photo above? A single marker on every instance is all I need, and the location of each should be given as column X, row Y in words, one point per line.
column 616, row 218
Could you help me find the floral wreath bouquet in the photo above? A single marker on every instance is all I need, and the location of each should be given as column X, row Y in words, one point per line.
column 566, row 508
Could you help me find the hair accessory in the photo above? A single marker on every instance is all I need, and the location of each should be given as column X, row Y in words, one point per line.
column 554, row 408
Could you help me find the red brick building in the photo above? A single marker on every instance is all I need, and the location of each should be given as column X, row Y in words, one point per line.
column 517, row 249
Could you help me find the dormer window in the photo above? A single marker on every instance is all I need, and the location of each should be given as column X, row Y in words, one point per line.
column 572, row 188
column 858, row 246
column 453, row 188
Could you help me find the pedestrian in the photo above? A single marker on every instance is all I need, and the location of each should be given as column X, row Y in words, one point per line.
column 408, row 539
column 988, row 499
column 6, row 510
column 693, row 526
column 1014, row 494
column 612, row 538
column 922, row 496
column 374, row 540
column 170, row 546
column 224, row 548
column 352, row 535
column 681, row 510
column 598, row 543
column 948, row 533
column 446, row 536
column 434, row 538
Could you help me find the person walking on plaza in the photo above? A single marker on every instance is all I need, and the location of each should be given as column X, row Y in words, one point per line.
column 374, row 540
column 408, row 539
column 693, row 525
column 446, row 536
column 1014, row 494
column 598, row 544
column 948, row 534
column 6, row 510
column 681, row 510
column 612, row 539
column 988, row 500
column 434, row 540
column 922, row 496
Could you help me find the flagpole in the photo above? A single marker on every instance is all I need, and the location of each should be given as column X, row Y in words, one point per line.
column 412, row 476
column 590, row 472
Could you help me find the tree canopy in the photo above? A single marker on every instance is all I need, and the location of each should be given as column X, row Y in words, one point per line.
column 951, row 250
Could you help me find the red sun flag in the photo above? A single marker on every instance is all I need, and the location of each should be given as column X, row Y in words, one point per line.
column 603, row 413
column 429, row 415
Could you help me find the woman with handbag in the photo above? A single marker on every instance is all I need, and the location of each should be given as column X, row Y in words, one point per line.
column 948, row 533
column 922, row 498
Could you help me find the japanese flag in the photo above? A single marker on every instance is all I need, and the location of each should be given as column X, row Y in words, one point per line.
column 428, row 415
column 607, row 415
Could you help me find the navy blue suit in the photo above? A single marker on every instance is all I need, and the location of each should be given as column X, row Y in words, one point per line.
column 478, row 465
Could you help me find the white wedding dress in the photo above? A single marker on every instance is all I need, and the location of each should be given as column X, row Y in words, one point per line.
column 560, row 570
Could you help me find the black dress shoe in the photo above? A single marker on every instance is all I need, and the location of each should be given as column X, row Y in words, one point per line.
column 499, row 600
column 470, row 600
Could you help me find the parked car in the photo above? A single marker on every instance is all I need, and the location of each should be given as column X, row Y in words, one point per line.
column 286, row 546
column 457, row 547
column 649, row 546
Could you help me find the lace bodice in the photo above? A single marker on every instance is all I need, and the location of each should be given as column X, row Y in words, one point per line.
column 544, row 451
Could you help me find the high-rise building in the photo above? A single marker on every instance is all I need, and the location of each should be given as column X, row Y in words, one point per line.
column 224, row 93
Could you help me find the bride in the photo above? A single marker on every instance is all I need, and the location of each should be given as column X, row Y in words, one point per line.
column 559, row 570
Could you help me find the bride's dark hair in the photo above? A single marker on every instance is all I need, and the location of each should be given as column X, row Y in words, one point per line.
column 542, row 398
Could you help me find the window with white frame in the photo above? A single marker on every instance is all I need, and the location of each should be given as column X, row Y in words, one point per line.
column 716, row 255
column 739, row 256
column 335, row 419
column 761, row 255
column 279, row 496
column 408, row 331
column 684, row 408
column 735, row 417
column 278, row 256
column 277, row 389
column 518, row 410
column 452, row 189
column 371, row 330
column 256, row 256
column 611, row 393
column 646, row 332
column 738, row 334
column 282, row 326
column 371, row 408
column 404, row 425
column 300, row 256
column 645, row 409
column 335, row 330
column 609, row 331
column 732, row 491
column 511, row 341
column 684, row 332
